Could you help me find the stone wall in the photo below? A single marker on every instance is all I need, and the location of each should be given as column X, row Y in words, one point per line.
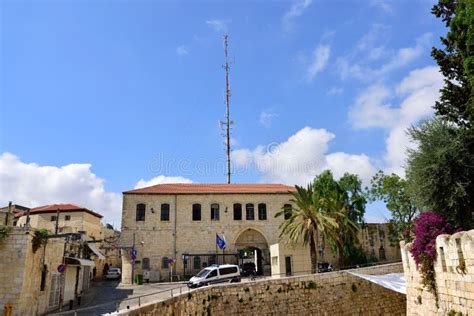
column 21, row 274
column 334, row 293
column 454, row 269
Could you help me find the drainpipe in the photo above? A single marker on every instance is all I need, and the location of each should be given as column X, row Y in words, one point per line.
column 175, row 223
column 174, row 229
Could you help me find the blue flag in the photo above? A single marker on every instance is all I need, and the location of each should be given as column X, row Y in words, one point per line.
column 220, row 242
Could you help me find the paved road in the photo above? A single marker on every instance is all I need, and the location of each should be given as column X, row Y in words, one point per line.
column 103, row 296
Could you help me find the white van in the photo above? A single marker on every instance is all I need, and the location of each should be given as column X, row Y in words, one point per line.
column 215, row 274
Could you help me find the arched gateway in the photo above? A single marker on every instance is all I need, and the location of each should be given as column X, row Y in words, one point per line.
column 253, row 245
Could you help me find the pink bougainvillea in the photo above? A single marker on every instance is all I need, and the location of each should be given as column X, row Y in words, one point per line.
column 427, row 226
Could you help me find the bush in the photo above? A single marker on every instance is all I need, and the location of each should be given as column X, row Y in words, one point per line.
column 427, row 226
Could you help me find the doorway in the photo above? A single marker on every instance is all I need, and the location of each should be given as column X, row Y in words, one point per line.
column 288, row 266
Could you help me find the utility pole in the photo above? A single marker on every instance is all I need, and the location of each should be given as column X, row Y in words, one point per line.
column 57, row 223
column 227, row 113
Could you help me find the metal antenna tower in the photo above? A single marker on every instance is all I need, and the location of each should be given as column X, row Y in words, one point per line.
column 227, row 112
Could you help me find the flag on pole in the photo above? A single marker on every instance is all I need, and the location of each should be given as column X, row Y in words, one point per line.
column 220, row 242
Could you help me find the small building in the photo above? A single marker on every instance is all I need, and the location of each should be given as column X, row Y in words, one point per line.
column 10, row 214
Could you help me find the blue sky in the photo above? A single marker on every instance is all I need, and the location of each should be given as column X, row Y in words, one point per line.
column 98, row 95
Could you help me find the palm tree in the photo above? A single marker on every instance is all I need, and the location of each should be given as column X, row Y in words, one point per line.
column 343, row 201
column 306, row 218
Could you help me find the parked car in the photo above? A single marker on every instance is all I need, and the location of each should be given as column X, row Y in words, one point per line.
column 215, row 274
column 324, row 267
column 248, row 269
column 113, row 274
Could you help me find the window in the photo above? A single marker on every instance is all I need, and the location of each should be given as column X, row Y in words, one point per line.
column 228, row 270
column 287, row 210
column 214, row 212
column 262, row 212
column 165, row 212
column 212, row 274
column 197, row 263
column 237, row 212
column 67, row 217
column 249, row 212
column 141, row 212
column 164, row 263
column 196, row 212
column 54, row 290
column 53, row 218
column 146, row 264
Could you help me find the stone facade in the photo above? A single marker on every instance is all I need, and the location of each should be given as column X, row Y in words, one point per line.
column 23, row 271
column 179, row 236
column 334, row 293
column 156, row 239
column 454, row 269
column 374, row 239
column 69, row 222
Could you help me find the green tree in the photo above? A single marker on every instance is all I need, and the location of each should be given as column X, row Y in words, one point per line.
column 456, row 61
column 306, row 218
column 394, row 191
column 345, row 202
column 441, row 170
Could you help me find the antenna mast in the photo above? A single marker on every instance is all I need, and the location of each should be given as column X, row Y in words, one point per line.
column 227, row 112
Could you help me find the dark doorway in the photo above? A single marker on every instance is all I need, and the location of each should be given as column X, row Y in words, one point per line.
column 288, row 267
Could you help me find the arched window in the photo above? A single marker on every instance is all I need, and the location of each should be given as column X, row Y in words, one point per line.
column 141, row 212
column 287, row 210
column 196, row 212
column 262, row 212
column 249, row 212
column 197, row 263
column 164, row 263
column 165, row 212
column 146, row 264
column 237, row 212
column 214, row 212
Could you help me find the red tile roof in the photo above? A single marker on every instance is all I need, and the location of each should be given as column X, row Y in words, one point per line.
column 53, row 208
column 193, row 188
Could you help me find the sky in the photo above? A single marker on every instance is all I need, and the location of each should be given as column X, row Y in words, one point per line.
column 99, row 97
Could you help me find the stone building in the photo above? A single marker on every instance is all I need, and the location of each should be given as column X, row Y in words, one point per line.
column 72, row 219
column 31, row 282
column 10, row 214
column 173, row 227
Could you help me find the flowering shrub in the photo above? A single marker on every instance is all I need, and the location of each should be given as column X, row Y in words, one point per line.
column 427, row 226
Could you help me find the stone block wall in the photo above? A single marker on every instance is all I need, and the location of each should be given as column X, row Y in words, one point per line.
column 454, row 269
column 334, row 293
column 20, row 272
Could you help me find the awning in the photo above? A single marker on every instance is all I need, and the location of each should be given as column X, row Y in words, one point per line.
column 79, row 262
column 393, row 281
column 96, row 251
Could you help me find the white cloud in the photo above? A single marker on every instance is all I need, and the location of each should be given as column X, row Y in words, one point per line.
column 335, row 91
column 266, row 117
column 182, row 50
column 297, row 9
column 32, row 185
column 358, row 65
column 384, row 5
column 319, row 61
column 416, row 93
column 371, row 109
column 142, row 183
column 219, row 25
column 301, row 157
